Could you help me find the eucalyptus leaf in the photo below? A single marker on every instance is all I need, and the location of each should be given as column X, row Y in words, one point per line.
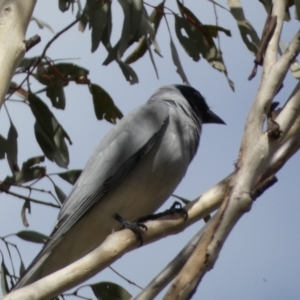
column 3, row 146
column 4, row 273
column 176, row 60
column 27, row 62
column 144, row 42
column 59, row 193
column 32, row 236
column 48, row 147
column 25, row 206
column 247, row 31
column 104, row 105
column 64, row 4
column 22, row 268
column 70, row 176
column 128, row 72
column 12, row 148
column 33, row 161
column 98, row 23
column 55, row 92
column 29, row 174
column 186, row 42
column 110, row 291
column 49, row 132
column 133, row 11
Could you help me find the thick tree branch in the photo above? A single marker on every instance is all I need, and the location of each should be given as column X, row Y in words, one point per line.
column 278, row 11
column 170, row 271
column 289, row 117
column 256, row 152
column 14, row 18
column 118, row 244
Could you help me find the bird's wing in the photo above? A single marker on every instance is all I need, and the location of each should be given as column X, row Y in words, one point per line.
column 114, row 157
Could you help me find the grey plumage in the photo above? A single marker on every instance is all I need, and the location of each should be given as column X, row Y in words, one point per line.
column 132, row 172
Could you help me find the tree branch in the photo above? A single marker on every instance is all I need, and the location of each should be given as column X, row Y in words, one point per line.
column 256, row 152
column 278, row 11
column 29, row 198
column 14, row 18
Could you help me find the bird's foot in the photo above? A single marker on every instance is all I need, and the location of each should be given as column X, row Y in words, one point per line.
column 136, row 227
column 176, row 208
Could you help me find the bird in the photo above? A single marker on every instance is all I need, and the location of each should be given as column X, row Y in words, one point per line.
column 131, row 173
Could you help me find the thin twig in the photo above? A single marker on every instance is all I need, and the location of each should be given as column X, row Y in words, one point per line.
column 126, row 279
column 28, row 199
column 216, row 3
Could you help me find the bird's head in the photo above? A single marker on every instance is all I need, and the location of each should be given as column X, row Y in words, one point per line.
column 198, row 104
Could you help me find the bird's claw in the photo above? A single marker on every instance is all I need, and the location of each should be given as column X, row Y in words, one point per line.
column 175, row 208
column 136, row 227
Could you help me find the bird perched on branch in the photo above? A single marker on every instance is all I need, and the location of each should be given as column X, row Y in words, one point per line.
column 132, row 172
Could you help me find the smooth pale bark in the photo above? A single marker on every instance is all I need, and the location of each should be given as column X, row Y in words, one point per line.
column 256, row 152
column 14, row 19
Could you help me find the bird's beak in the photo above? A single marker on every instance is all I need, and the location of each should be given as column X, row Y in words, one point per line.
column 211, row 117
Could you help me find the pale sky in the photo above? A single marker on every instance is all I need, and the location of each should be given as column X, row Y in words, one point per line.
column 260, row 259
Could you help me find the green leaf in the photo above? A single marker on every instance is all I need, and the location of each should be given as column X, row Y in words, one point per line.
column 132, row 30
column 70, row 176
column 202, row 40
column 202, row 37
column 25, row 206
column 97, row 14
column 297, row 9
column 64, row 5
column 98, row 23
column 105, row 39
column 151, row 57
column 32, row 236
column 49, row 133
column 22, row 268
column 213, row 30
column 104, row 105
column 33, row 161
column 154, row 18
column 247, row 31
column 60, row 194
column 177, row 62
column 12, row 148
column 69, row 70
column 7, row 182
column 109, row 291
column 132, row 18
column 57, row 76
column 3, row 146
column 48, row 147
column 4, row 273
column 128, row 72
column 55, row 92
column 112, row 55
column 29, row 174
column 27, row 62
column 186, row 42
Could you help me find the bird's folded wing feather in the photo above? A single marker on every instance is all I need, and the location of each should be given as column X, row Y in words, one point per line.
column 114, row 157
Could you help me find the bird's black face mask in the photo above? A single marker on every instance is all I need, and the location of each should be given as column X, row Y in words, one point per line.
column 199, row 105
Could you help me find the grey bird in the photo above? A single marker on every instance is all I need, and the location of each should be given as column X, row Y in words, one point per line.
column 132, row 172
